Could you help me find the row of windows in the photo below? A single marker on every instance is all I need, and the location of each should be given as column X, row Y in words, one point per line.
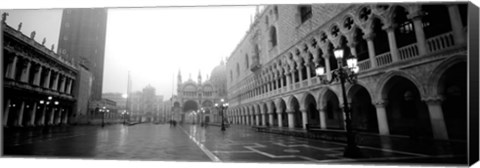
column 195, row 93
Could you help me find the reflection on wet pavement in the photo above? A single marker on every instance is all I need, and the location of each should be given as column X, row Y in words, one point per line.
column 184, row 143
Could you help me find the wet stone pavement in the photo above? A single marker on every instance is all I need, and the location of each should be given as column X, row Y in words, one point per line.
column 193, row 143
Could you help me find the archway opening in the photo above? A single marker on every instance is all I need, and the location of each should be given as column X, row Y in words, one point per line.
column 312, row 113
column 454, row 106
column 364, row 116
column 297, row 114
column 283, row 107
column 334, row 114
column 406, row 113
column 190, row 105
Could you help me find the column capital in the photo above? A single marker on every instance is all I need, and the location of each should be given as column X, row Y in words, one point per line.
column 389, row 27
column 352, row 44
column 415, row 15
column 433, row 100
column 369, row 35
column 326, row 55
column 381, row 103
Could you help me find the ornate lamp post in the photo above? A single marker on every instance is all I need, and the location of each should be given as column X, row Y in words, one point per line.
column 344, row 74
column 124, row 113
column 202, row 113
column 221, row 107
column 103, row 110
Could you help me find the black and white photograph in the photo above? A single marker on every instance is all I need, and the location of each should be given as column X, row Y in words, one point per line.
column 303, row 84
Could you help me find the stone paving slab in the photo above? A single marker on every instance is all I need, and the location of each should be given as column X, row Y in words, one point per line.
column 193, row 143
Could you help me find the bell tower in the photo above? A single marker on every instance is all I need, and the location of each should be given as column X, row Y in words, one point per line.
column 179, row 80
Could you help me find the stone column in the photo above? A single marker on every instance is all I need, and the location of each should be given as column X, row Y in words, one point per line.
column 20, row 114
column 26, row 72
column 52, row 113
column 293, row 77
column 69, row 86
column 42, row 117
column 456, row 23
column 439, row 128
column 279, row 119
column 46, row 84
column 304, row 119
column 327, row 64
column 300, row 75
column 13, row 68
column 65, row 119
column 419, row 33
column 264, row 120
column 307, row 63
column 32, row 114
column 252, row 119
column 291, row 119
column 58, row 119
column 371, row 48
column 257, row 119
column 281, row 81
column 289, row 81
column 392, row 43
column 353, row 51
column 6, row 112
column 38, row 75
column 55, row 81
column 382, row 118
column 322, row 117
column 62, row 84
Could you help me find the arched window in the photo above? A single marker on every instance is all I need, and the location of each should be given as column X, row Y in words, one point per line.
column 273, row 36
column 362, row 47
column 247, row 63
column 405, row 28
column 380, row 41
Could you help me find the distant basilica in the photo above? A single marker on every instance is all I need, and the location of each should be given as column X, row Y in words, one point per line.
column 195, row 101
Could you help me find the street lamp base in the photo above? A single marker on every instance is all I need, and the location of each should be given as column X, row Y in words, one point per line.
column 223, row 128
column 352, row 151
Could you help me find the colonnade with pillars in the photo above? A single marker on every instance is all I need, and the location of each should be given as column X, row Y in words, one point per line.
column 292, row 70
column 28, row 112
column 38, row 75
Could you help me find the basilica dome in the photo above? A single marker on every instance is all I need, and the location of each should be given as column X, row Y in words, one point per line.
column 218, row 78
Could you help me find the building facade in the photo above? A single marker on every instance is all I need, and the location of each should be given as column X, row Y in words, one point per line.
column 38, row 83
column 411, row 79
column 145, row 106
column 195, row 101
column 82, row 36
